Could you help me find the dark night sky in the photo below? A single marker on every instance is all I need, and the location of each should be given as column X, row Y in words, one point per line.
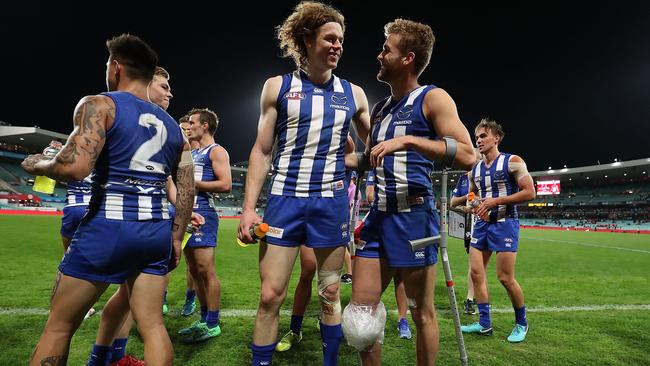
column 571, row 85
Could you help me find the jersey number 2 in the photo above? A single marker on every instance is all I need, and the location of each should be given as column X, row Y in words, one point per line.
column 141, row 159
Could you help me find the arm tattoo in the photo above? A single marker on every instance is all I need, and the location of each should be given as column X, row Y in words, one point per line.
column 55, row 361
column 184, row 196
column 89, row 134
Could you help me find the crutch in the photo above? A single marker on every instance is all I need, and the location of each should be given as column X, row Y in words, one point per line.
column 441, row 239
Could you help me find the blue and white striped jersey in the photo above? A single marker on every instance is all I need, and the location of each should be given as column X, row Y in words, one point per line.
column 141, row 148
column 311, row 128
column 78, row 192
column 404, row 177
column 496, row 181
column 203, row 172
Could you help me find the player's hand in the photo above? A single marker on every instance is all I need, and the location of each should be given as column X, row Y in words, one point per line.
column 197, row 220
column 387, row 147
column 175, row 257
column 247, row 220
column 483, row 210
column 30, row 164
column 55, row 144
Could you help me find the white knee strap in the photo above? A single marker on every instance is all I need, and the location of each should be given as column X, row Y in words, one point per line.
column 326, row 279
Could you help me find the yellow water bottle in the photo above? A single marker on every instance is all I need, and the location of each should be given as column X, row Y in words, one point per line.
column 42, row 183
column 258, row 231
column 189, row 230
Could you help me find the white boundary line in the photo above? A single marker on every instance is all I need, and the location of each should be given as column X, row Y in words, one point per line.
column 587, row 244
column 240, row 313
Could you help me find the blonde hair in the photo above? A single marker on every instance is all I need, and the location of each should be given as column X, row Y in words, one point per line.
column 307, row 16
column 414, row 37
column 161, row 72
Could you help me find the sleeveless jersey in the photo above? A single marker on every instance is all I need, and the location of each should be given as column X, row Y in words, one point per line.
column 141, row 147
column 404, row 177
column 78, row 192
column 311, row 128
column 203, row 172
column 496, row 181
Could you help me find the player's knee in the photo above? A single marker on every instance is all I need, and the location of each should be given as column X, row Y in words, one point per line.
column 423, row 316
column 363, row 324
column 328, row 291
column 476, row 274
column 271, row 298
column 506, row 279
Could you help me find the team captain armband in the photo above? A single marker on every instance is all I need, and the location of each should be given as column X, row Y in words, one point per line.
column 518, row 170
column 186, row 158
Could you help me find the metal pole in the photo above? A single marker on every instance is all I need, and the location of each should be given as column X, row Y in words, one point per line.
column 447, row 269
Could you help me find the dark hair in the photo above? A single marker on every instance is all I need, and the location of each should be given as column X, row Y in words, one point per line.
column 184, row 119
column 206, row 116
column 491, row 125
column 139, row 58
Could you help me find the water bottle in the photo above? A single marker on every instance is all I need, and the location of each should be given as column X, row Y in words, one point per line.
column 258, row 231
column 42, row 183
column 472, row 200
column 189, row 230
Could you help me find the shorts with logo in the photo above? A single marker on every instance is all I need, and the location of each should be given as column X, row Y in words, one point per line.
column 500, row 236
column 206, row 235
column 317, row 222
column 106, row 250
column 72, row 216
column 387, row 234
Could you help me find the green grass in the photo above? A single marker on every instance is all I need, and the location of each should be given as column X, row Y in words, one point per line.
column 554, row 268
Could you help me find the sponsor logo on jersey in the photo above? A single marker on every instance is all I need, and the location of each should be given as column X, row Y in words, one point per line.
column 419, row 254
column 500, row 176
column 319, row 91
column 275, row 232
column 294, row 95
column 339, row 98
column 338, row 185
column 339, row 101
column 404, row 122
column 405, row 112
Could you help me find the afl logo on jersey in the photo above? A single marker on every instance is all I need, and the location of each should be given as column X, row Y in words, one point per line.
column 339, row 98
column 294, row 95
column 405, row 112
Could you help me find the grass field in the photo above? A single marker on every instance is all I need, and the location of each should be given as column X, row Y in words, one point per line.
column 587, row 295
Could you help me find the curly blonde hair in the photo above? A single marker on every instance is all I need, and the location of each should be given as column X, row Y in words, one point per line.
column 307, row 16
column 414, row 37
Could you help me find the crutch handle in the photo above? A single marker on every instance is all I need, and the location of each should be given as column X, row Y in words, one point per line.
column 424, row 242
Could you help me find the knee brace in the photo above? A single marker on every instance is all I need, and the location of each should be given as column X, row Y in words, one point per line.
column 363, row 325
column 325, row 279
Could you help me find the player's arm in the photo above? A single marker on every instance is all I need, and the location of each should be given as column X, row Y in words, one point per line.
column 517, row 167
column 259, row 160
column 221, row 167
column 361, row 118
column 184, row 182
column 458, row 201
column 170, row 187
column 440, row 111
column 370, row 193
column 76, row 160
